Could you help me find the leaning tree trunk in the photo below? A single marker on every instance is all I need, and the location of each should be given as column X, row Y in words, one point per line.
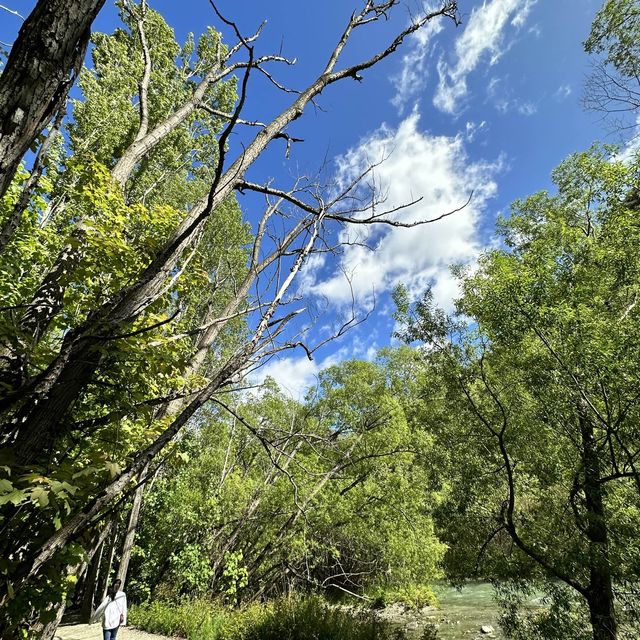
column 600, row 593
column 42, row 65
column 130, row 534
column 90, row 585
column 49, row 631
column 104, row 586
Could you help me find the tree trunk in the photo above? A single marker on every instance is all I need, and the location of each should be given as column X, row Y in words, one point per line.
column 43, row 63
column 90, row 586
column 50, row 628
column 130, row 534
column 12, row 223
column 602, row 615
column 42, row 426
column 600, row 593
column 107, row 573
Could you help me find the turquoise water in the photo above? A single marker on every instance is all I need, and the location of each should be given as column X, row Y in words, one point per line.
column 463, row 612
column 460, row 615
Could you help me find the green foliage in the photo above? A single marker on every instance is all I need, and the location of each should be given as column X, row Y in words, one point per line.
column 177, row 171
column 339, row 503
column 613, row 86
column 562, row 616
column 190, row 570
column 546, row 336
column 412, row 596
column 234, row 576
column 615, row 32
column 78, row 210
column 312, row 618
column 285, row 619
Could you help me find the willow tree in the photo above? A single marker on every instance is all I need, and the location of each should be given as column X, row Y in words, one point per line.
column 544, row 435
column 324, row 495
column 613, row 87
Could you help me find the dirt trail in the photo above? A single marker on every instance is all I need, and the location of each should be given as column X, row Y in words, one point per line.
column 94, row 632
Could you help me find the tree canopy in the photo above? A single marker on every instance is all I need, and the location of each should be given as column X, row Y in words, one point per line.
column 497, row 441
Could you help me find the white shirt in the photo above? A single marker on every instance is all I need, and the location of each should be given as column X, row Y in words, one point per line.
column 111, row 610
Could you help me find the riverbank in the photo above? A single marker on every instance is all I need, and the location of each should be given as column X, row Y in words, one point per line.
column 460, row 614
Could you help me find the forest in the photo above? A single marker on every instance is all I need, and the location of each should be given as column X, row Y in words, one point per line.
column 167, row 249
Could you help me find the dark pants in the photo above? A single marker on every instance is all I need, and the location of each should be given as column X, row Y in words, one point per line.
column 110, row 634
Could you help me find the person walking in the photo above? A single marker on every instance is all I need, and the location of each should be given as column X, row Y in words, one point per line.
column 112, row 610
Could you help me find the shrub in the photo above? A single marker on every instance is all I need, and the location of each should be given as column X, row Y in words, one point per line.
column 285, row 619
column 412, row 596
column 313, row 619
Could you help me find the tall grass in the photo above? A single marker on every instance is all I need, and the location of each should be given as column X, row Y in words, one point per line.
column 286, row 619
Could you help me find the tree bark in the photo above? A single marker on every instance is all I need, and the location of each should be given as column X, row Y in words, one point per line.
column 600, row 593
column 50, row 629
column 42, row 66
column 104, row 586
column 130, row 534
column 47, row 631
column 90, row 586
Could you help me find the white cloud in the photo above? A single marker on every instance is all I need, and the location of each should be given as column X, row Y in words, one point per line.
column 526, row 108
column 417, row 165
column 632, row 147
column 482, row 37
column 296, row 374
column 413, row 74
column 472, row 129
column 499, row 93
column 535, row 30
column 562, row 92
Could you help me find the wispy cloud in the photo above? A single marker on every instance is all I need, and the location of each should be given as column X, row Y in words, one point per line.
column 563, row 92
column 437, row 171
column 500, row 94
column 472, row 129
column 483, row 38
column 411, row 79
column 526, row 108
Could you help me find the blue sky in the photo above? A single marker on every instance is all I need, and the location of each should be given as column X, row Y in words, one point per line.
column 491, row 106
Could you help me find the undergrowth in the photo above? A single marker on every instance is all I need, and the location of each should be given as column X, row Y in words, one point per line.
column 285, row 619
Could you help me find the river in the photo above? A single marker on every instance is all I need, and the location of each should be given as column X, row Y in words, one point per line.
column 463, row 612
column 460, row 616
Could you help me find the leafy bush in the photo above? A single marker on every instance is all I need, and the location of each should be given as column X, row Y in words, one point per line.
column 312, row 619
column 285, row 619
column 563, row 615
column 196, row 620
column 412, row 596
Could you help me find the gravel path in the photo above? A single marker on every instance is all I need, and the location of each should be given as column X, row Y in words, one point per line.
column 94, row 632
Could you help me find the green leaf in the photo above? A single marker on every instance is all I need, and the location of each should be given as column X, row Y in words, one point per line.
column 41, row 496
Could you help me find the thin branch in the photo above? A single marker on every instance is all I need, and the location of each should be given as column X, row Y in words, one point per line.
column 11, row 11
